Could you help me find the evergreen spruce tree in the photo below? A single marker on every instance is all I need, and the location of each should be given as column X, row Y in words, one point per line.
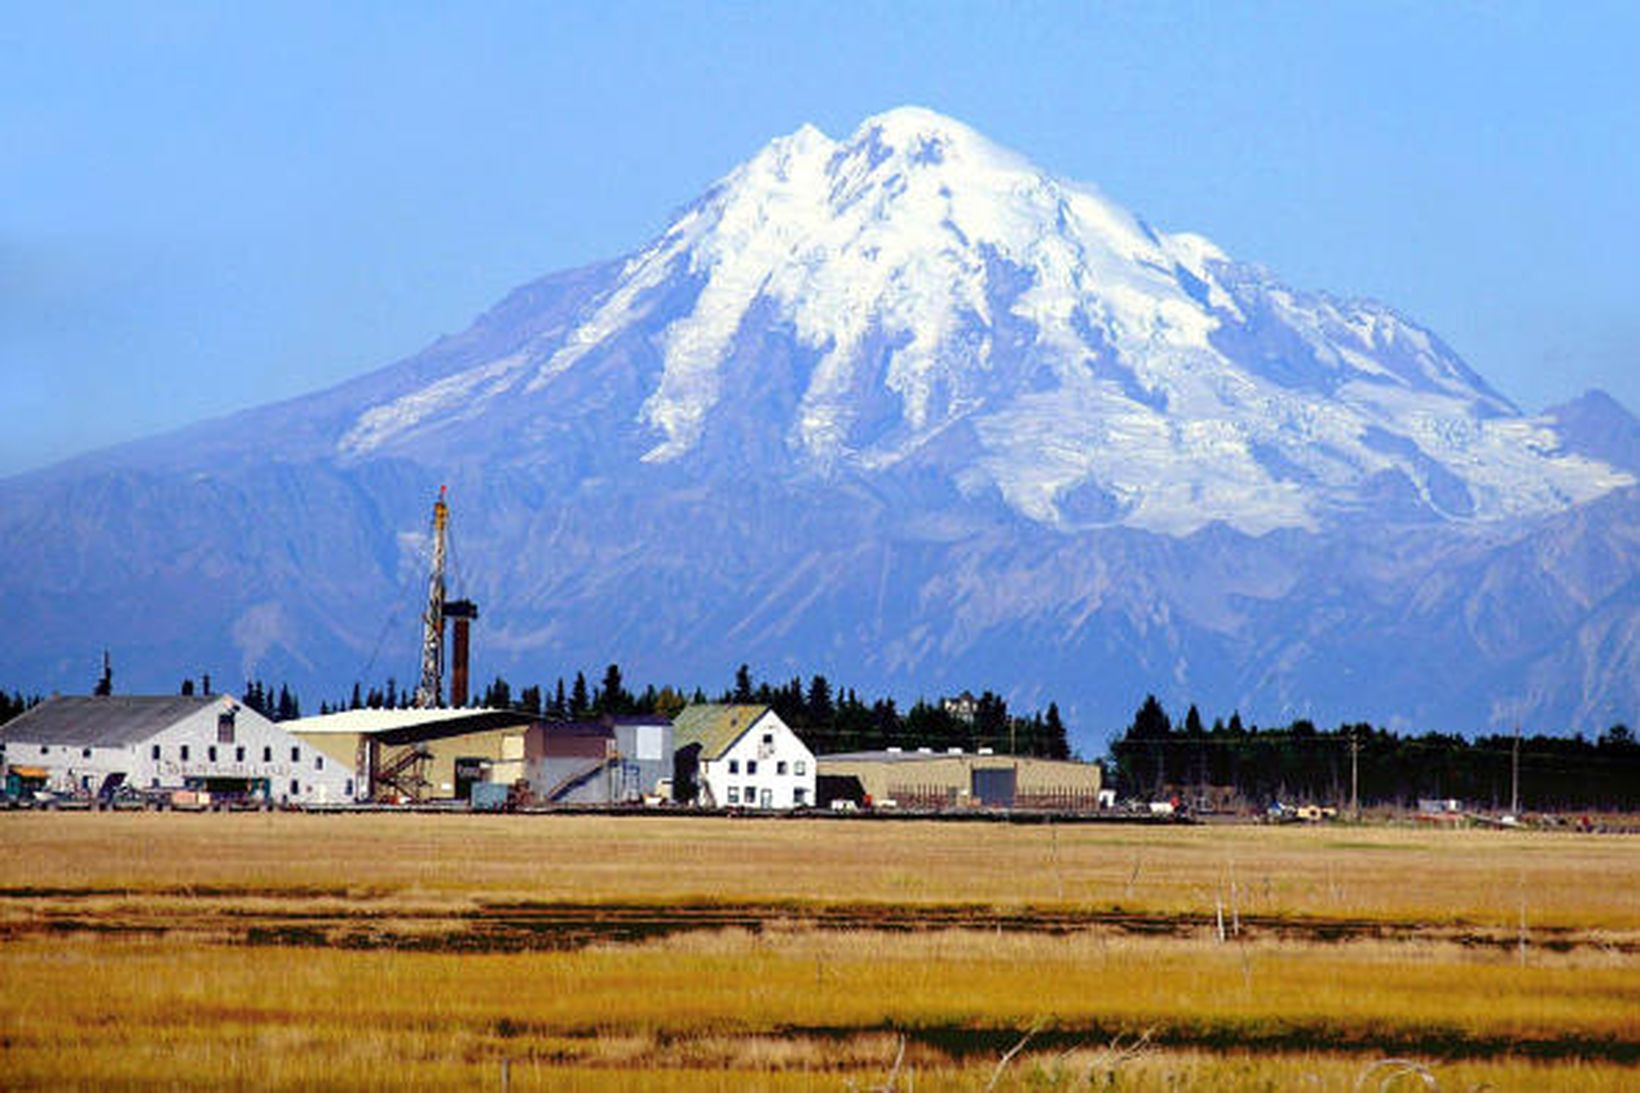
column 613, row 697
column 288, row 709
column 579, row 703
column 820, row 709
column 1056, row 745
column 1140, row 753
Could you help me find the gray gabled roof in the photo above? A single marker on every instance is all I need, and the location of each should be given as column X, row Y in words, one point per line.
column 109, row 721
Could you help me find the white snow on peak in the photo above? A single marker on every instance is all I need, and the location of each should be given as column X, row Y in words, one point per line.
column 1112, row 373
column 884, row 254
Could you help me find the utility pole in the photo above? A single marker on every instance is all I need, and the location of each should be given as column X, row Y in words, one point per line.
column 1514, row 775
column 1355, row 774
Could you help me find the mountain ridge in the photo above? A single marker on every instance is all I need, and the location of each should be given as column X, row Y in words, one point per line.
column 910, row 434
column 918, row 276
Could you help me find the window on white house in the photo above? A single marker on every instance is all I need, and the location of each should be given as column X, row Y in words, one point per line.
column 154, row 754
column 349, row 789
column 734, row 766
column 224, row 728
column 800, row 796
column 44, row 750
column 767, row 800
column 85, row 753
column 154, row 783
column 768, row 738
column 780, row 767
column 751, row 795
column 239, row 754
column 734, row 795
column 295, row 755
column 802, row 767
column 210, row 753
column 751, row 766
column 267, row 753
column 184, row 752
column 295, row 787
column 318, row 762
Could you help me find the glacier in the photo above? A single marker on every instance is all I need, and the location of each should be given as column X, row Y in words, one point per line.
column 929, row 277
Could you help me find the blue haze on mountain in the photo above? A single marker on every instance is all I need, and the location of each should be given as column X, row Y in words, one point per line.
column 905, row 410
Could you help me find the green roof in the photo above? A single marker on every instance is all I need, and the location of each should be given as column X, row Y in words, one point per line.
column 714, row 727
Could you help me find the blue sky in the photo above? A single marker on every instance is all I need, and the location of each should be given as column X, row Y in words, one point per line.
column 209, row 206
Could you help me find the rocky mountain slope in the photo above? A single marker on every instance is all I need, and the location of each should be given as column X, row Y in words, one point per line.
column 905, row 409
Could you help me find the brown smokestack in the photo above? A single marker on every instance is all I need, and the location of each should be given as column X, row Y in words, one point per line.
column 460, row 613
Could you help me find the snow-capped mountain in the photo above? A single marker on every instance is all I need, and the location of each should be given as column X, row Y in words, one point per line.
column 923, row 278
column 908, row 410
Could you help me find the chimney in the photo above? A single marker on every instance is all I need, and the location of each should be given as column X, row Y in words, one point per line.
column 461, row 613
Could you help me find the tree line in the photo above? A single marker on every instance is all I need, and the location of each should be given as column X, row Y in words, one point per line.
column 829, row 719
column 1301, row 764
column 832, row 721
column 14, row 704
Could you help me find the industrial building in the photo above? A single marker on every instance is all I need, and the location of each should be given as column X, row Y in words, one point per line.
column 428, row 751
column 956, row 779
column 611, row 761
column 733, row 756
column 415, row 755
column 100, row 744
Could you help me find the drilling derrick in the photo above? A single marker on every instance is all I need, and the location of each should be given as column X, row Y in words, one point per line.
column 431, row 689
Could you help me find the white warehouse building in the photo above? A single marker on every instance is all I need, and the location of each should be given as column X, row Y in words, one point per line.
column 728, row 756
column 94, row 745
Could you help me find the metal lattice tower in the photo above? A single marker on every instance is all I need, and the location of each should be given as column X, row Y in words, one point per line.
column 429, row 693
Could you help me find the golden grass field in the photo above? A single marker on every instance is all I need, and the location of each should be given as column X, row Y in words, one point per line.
column 418, row 951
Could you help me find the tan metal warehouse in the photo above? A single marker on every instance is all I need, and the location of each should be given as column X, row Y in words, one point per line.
column 941, row 780
column 418, row 755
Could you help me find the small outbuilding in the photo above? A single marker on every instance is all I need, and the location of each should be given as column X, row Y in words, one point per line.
column 740, row 756
column 95, row 746
column 611, row 761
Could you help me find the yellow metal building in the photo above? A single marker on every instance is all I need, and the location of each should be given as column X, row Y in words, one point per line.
column 956, row 779
column 420, row 755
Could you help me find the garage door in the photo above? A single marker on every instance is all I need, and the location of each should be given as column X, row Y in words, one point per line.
column 994, row 787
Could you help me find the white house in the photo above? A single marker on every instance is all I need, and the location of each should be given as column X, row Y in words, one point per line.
column 740, row 757
column 94, row 745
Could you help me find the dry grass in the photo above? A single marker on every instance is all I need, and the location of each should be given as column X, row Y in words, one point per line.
column 1477, row 877
column 749, row 983
column 797, row 1007
column 805, row 1011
